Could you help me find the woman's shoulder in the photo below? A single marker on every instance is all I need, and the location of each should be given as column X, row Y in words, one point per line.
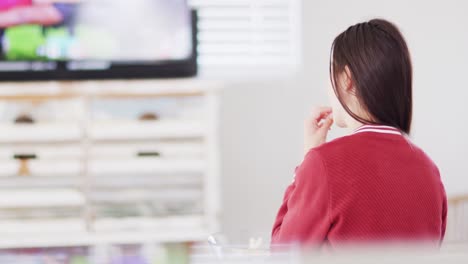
column 337, row 149
column 340, row 144
column 370, row 146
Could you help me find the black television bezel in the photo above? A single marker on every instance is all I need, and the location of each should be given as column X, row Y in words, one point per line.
column 162, row 69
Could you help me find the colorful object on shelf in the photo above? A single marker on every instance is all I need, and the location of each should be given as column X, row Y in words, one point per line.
column 174, row 253
column 178, row 253
column 129, row 254
column 79, row 260
column 46, row 256
column 133, row 259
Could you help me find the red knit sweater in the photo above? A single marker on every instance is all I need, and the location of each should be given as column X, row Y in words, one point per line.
column 373, row 185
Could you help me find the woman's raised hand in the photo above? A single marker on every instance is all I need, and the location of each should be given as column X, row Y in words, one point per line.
column 316, row 127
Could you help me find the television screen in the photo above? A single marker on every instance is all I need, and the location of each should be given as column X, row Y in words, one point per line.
column 79, row 39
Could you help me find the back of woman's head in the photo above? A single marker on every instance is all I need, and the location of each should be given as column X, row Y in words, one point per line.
column 377, row 58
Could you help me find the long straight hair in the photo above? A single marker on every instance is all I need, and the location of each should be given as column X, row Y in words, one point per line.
column 380, row 65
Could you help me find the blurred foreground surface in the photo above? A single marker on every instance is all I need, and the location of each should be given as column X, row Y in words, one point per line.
column 200, row 254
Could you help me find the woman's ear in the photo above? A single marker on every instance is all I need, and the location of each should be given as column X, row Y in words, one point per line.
column 348, row 80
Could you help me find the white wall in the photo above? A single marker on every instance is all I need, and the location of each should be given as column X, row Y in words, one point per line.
column 262, row 121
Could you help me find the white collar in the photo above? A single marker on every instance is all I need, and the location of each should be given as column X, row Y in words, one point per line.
column 378, row 129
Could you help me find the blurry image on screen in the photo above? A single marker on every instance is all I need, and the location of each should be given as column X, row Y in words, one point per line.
column 112, row 30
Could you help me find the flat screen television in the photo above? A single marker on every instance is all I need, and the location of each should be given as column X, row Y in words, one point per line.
column 96, row 39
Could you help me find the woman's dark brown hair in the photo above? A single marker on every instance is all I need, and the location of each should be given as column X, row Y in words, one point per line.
column 378, row 59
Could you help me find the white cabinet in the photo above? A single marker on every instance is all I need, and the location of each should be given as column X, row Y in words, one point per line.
column 116, row 179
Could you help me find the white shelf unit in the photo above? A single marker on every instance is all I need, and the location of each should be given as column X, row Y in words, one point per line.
column 83, row 163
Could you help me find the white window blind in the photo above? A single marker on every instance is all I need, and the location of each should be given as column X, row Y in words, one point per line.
column 242, row 34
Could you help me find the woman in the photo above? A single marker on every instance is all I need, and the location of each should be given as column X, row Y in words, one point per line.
column 374, row 184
